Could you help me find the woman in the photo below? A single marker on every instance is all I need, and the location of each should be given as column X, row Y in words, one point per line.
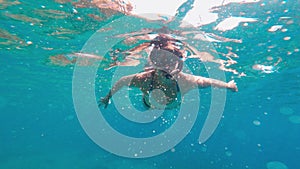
column 162, row 83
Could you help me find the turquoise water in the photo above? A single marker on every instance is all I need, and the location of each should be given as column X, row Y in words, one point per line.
column 39, row 128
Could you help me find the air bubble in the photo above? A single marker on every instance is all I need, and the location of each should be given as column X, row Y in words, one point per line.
column 256, row 123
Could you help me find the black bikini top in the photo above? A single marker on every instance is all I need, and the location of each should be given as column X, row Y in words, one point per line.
column 166, row 74
column 173, row 104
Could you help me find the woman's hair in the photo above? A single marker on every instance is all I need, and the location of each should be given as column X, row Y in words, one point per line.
column 167, row 43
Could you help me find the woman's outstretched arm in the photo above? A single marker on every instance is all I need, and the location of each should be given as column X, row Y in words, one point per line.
column 191, row 81
column 206, row 82
column 124, row 81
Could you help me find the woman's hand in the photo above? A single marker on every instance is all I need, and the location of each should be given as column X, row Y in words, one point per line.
column 232, row 85
column 104, row 101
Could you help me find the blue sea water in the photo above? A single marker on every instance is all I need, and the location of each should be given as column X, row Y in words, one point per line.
column 39, row 128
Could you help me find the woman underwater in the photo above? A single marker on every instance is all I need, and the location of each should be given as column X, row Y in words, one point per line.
column 163, row 82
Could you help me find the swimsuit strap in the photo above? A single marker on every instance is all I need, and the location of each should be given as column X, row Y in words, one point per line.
column 152, row 80
column 150, row 89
